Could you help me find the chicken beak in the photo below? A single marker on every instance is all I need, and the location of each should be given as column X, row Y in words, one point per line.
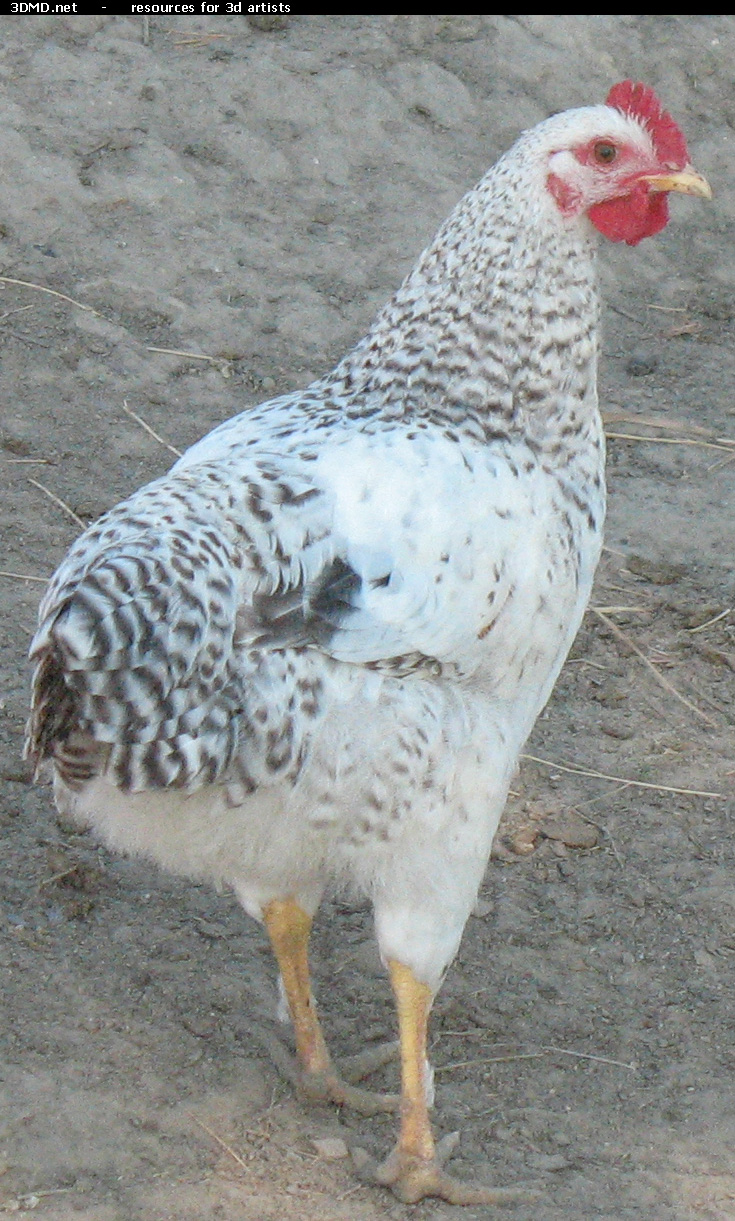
column 686, row 182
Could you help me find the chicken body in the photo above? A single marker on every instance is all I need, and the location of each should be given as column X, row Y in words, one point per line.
column 381, row 597
column 311, row 653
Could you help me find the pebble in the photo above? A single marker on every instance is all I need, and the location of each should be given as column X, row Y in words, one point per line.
column 331, row 1148
column 641, row 364
column 212, row 930
column 658, row 572
column 482, row 909
column 524, row 841
column 551, row 1163
column 571, row 830
column 430, row 90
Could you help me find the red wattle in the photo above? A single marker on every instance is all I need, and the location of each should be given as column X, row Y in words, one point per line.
column 631, row 218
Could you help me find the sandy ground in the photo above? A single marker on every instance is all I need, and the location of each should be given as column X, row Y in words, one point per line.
column 251, row 195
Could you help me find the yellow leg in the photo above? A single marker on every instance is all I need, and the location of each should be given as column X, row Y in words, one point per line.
column 288, row 927
column 413, row 1002
column 413, row 1170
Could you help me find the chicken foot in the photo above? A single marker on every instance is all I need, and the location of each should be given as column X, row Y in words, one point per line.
column 414, row 1170
column 288, row 927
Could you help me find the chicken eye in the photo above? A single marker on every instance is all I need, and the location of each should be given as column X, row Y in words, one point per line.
column 605, row 153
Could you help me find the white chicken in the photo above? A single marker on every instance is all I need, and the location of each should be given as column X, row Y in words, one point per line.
column 310, row 655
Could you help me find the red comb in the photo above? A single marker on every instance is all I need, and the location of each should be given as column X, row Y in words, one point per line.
column 640, row 102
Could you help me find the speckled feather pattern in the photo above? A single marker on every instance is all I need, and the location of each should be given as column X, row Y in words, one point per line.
column 311, row 653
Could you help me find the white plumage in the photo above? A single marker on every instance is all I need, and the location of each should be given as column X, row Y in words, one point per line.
column 311, row 653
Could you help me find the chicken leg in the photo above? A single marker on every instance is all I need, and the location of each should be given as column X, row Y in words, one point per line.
column 288, row 927
column 413, row 1170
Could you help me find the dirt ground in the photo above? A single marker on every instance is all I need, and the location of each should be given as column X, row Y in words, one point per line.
column 251, row 193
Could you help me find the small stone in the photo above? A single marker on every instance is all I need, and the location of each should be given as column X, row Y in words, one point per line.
column 17, row 445
column 523, row 842
column 331, row 1148
column 268, row 23
column 610, row 695
column 659, row 572
column 701, row 614
column 503, row 1133
column 571, row 830
column 361, row 1162
column 364, row 957
column 90, row 509
column 459, row 28
column 431, row 91
column 621, row 732
column 482, row 909
column 211, row 929
column 201, row 1027
column 446, row 1146
column 641, row 364
column 593, row 907
column 550, row 1163
column 324, row 214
